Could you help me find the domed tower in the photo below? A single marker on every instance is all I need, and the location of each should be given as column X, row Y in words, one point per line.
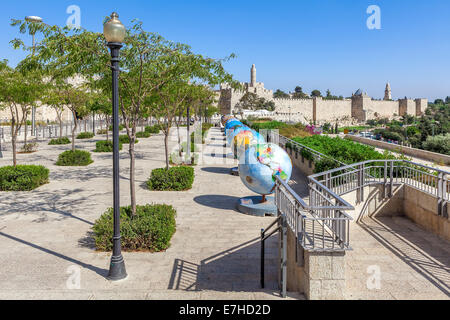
column 388, row 92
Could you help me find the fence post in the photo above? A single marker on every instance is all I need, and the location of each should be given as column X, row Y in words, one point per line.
column 263, row 251
column 385, row 181
column 284, row 258
column 391, row 191
column 440, row 194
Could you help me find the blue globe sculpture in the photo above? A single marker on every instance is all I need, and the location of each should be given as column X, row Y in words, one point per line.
column 260, row 164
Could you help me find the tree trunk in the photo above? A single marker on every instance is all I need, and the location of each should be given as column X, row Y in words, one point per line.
column 132, row 176
column 26, row 129
column 166, row 145
column 74, row 129
column 14, row 149
column 60, row 128
column 107, row 128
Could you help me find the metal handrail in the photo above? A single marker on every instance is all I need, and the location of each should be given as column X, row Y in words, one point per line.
column 266, row 234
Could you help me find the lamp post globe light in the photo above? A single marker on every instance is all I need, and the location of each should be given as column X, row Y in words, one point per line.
column 114, row 32
column 34, row 19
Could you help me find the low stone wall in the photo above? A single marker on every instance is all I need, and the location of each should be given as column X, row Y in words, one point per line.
column 407, row 201
column 417, row 153
column 318, row 275
column 306, row 166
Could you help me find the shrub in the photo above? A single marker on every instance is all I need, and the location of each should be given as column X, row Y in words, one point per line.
column 343, row 150
column 23, row 178
column 59, row 141
column 150, row 230
column 143, row 134
column 174, row 179
column 74, row 158
column 206, row 126
column 106, row 146
column 125, row 139
column 102, row 131
column 153, row 130
column 29, row 148
column 439, row 144
column 121, row 127
column 85, row 135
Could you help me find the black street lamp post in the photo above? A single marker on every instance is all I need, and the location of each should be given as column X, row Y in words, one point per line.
column 114, row 32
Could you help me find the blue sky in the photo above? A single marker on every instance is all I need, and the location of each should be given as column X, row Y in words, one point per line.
column 320, row 44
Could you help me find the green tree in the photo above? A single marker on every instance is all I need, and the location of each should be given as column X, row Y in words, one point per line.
column 279, row 94
column 316, row 93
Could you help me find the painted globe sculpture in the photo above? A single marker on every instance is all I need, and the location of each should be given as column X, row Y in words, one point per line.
column 260, row 164
column 225, row 119
column 234, row 130
column 244, row 137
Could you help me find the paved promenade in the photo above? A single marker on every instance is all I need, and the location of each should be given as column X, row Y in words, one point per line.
column 215, row 254
column 46, row 241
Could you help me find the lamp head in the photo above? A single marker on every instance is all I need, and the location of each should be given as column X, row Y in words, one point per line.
column 114, row 30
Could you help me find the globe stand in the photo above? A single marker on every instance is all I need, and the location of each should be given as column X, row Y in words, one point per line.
column 255, row 207
column 234, row 171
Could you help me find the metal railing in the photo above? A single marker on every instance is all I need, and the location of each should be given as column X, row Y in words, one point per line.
column 387, row 173
column 281, row 228
column 322, row 225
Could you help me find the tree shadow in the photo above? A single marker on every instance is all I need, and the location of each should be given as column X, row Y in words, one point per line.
column 99, row 271
column 430, row 261
column 43, row 203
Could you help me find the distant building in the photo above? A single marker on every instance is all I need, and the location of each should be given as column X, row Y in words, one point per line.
column 358, row 109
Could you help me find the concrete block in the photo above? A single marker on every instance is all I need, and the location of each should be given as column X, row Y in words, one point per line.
column 333, row 290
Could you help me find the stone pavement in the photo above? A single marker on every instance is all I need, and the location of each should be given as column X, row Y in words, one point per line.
column 46, row 240
column 215, row 253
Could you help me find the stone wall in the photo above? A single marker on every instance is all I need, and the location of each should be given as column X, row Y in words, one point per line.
column 331, row 110
column 407, row 106
column 43, row 113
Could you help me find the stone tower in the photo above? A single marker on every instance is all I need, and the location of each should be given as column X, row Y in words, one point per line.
column 253, row 77
column 388, row 92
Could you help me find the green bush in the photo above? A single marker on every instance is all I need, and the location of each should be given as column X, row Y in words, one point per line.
column 143, row 134
column 150, row 230
column 106, row 146
column 174, row 179
column 74, row 158
column 23, row 178
column 439, row 144
column 126, row 140
column 271, row 125
column 59, row 141
column 342, row 150
column 102, row 131
column 153, row 130
column 85, row 135
column 206, row 126
column 121, row 127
